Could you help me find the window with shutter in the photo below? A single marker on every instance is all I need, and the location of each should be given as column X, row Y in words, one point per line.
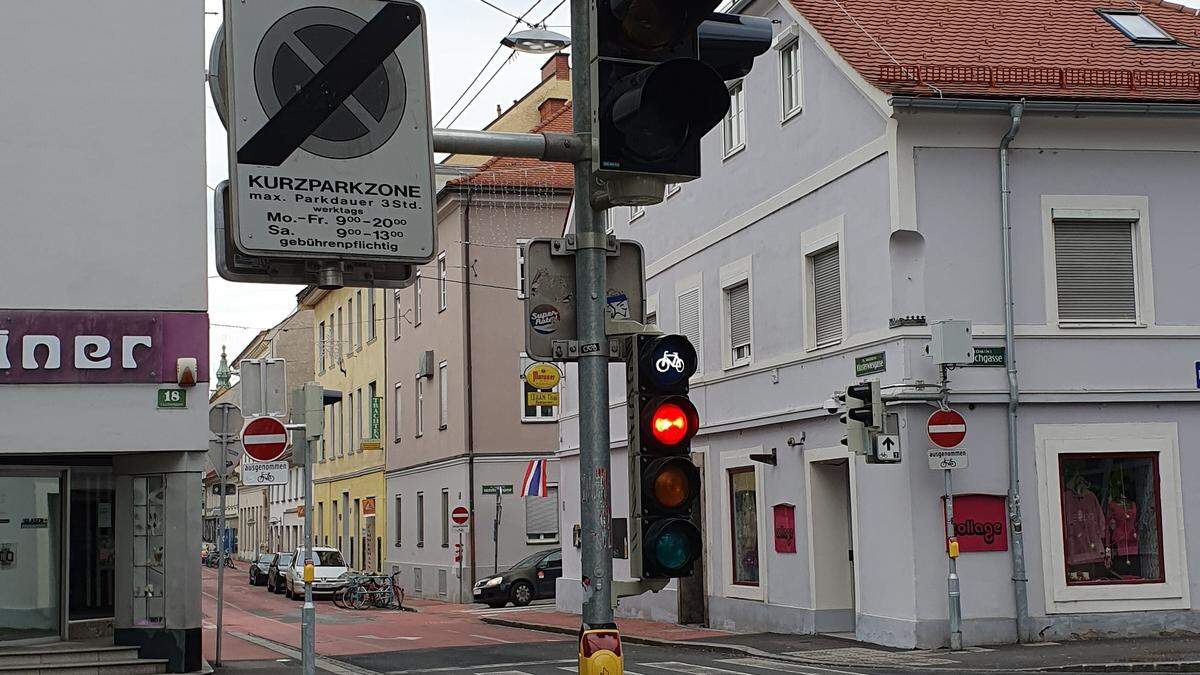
column 690, row 322
column 541, row 516
column 1095, row 270
column 827, row 296
column 443, row 395
column 738, row 301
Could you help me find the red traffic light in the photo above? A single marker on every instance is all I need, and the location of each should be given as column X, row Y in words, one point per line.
column 672, row 421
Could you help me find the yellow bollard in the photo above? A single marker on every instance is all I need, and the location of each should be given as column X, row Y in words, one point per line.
column 600, row 652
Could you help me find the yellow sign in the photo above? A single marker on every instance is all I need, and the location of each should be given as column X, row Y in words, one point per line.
column 542, row 398
column 543, row 376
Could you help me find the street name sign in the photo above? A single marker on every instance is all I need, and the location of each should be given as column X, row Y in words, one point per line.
column 870, row 364
column 497, row 489
column 330, row 130
column 265, row 439
column 265, row 473
column 947, row 428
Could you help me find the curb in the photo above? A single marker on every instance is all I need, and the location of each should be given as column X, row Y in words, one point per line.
column 324, row 663
column 1159, row 667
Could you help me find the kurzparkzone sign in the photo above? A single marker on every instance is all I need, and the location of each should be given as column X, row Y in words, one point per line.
column 330, row 143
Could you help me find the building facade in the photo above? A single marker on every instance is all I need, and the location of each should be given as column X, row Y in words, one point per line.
column 460, row 433
column 103, row 327
column 348, row 466
column 853, row 196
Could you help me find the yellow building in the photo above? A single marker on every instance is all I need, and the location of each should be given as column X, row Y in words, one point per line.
column 348, row 483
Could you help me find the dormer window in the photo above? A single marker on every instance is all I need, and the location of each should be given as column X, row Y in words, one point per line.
column 1137, row 27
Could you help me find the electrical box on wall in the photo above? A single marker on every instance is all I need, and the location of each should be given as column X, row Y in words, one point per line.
column 952, row 343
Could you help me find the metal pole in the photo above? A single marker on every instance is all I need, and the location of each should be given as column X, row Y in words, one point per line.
column 308, row 615
column 952, row 586
column 496, row 534
column 224, row 473
column 590, row 283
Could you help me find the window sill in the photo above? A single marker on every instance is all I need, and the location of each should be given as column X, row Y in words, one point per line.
column 445, row 545
column 442, row 427
column 540, row 542
column 639, row 215
column 825, row 345
column 791, row 114
column 420, row 545
column 730, row 153
column 370, row 340
column 1084, row 325
column 539, row 420
column 737, row 365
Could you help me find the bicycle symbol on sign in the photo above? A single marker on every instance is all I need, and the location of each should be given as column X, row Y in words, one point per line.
column 949, row 463
column 668, row 361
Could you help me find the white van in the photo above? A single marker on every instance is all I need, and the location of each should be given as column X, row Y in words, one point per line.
column 329, row 573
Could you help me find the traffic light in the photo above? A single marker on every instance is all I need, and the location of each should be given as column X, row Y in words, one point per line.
column 862, row 415
column 664, row 484
column 660, row 68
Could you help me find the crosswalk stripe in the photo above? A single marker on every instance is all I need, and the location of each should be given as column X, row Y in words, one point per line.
column 781, row 666
column 693, row 669
column 503, row 672
column 575, row 669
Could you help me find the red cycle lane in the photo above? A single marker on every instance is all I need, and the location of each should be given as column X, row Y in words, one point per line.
column 252, row 610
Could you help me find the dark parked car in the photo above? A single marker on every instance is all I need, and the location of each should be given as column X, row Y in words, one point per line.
column 277, row 570
column 531, row 579
column 260, row 567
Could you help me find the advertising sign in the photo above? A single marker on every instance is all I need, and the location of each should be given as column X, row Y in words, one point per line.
column 980, row 522
column 785, row 528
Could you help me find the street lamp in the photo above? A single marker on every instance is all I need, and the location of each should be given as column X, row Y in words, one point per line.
column 536, row 40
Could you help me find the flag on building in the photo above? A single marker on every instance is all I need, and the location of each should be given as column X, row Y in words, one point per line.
column 534, row 482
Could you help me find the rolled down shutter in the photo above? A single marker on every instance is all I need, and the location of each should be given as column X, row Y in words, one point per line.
column 739, row 315
column 1095, row 269
column 689, row 321
column 827, row 296
column 541, row 514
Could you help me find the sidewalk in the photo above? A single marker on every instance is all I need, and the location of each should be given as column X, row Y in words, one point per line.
column 1163, row 654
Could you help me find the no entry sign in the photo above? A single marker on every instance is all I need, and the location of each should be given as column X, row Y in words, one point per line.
column 265, row 439
column 460, row 515
column 947, row 429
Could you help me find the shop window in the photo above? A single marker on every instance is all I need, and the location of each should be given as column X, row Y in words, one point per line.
column 743, row 501
column 1112, row 527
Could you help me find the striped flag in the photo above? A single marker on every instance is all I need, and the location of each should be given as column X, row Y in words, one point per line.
column 534, row 482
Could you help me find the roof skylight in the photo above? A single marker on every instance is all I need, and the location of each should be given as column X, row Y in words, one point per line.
column 1137, row 27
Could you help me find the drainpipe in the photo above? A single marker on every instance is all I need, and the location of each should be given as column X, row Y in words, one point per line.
column 470, row 380
column 1020, row 578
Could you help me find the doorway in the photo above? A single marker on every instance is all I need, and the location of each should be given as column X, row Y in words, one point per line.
column 31, row 535
column 831, row 540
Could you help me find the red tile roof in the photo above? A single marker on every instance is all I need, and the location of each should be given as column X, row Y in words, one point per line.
column 522, row 172
column 1061, row 49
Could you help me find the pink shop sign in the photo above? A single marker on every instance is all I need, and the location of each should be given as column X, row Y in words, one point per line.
column 98, row 347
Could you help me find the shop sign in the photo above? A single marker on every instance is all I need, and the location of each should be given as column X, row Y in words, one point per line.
column 548, row 399
column 8, row 555
column 368, row 506
column 870, row 364
column 980, row 522
column 785, row 528
column 543, row 376
column 376, row 407
column 34, row 523
column 98, row 347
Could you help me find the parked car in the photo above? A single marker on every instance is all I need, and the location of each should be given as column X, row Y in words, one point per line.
column 259, row 568
column 329, row 575
column 276, row 571
column 531, row 579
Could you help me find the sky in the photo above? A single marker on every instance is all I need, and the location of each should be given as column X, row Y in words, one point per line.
column 462, row 36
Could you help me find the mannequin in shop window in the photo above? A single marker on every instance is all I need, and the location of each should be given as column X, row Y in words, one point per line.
column 1123, row 527
column 1087, row 554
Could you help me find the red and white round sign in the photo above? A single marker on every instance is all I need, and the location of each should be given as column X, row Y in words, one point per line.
column 264, row 439
column 947, row 429
column 460, row 515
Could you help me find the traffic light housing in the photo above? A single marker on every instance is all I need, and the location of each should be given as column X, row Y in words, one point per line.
column 659, row 73
column 664, row 484
column 862, row 413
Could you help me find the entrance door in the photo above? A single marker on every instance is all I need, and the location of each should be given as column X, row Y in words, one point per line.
column 832, row 573
column 31, row 510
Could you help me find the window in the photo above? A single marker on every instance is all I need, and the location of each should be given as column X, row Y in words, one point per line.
column 350, row 435
column 372, row 319
column 328, row 413
column 358, row 319
column 340, row 346
column 443, row 394
column 1137, row 26
column 420, row 414
column 743, row 513
column 321, row 346
column 789, row 78
column 636, row 212
column 442, row 281
column 397, row 406
column 541, row 517
column 1111, row 524
column 609, row 226
column 370, row 425
column 358, row 420
column 737, row 301
column 420, row 519
column 399, row 314
column 522, row 289
column 826, row 296
column 339, row 429
column 535, row 413
column 1095, row 271
column 445, row 518
column 399, row 520
column 417, row 300
column 690, row 325
column 734, row 135
column 350, row 325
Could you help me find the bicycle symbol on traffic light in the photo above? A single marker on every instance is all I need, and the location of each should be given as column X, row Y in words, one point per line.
column 668, row 361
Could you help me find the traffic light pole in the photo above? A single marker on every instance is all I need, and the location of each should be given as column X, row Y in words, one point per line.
column 308, row 615
column 953, row 586
column 590, row 286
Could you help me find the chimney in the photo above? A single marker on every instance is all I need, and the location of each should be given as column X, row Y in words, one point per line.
column 550, row 107
column 558, row 67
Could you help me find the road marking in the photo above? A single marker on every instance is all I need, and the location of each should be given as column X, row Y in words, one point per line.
column 783, row 667
column 485, row 637
column 575, row 669
column 448, row 669
column 691, row 668
column 326, row 664
column 504, row 672
column 377, row 637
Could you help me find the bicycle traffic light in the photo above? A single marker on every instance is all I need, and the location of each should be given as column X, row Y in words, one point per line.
column 664, row 484
column 660, row 68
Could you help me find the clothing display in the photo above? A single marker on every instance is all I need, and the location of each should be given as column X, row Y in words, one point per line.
column 1122, row 527
column 1085, row 532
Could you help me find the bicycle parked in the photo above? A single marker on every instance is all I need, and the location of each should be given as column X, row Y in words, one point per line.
column 375, row 591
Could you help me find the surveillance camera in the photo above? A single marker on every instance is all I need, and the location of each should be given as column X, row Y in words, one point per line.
column 831, row 406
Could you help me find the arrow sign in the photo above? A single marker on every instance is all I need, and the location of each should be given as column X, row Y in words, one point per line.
column 887, row 448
